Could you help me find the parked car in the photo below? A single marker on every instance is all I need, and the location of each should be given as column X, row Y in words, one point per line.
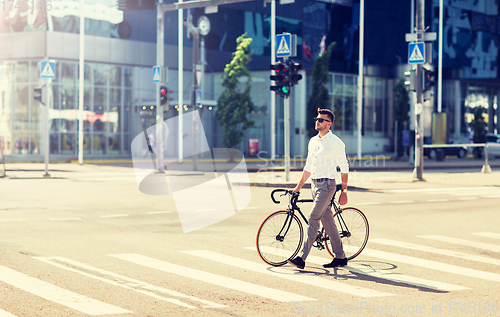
column 493, row 138
column 432, row 153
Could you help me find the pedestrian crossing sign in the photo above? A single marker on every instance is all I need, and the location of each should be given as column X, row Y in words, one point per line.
column 156, row 74
column 416, row 53
column 283, row 42
column 47, row 69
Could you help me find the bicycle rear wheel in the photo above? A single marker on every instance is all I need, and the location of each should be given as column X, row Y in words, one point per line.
column 353, row 230
column 279, row 237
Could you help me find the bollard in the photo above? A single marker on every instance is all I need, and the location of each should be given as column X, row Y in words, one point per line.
column 486, row 167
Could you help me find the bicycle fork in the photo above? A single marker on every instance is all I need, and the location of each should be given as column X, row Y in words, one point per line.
column 286, row 226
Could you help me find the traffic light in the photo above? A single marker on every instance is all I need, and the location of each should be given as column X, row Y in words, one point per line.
column 429, row 80
column 38, row 94
column 411, row 79
column 294, row 75
column 281, row 79
column 163, row 95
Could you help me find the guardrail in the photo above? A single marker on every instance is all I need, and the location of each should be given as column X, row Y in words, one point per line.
column 486, row 167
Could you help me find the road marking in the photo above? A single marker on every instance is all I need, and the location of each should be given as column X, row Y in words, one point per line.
column 64, row 219
column 128, row 283
column 386, row 275
column 287, row 274
column 160, row 212
column 4, row 313
column 432, row 265
column 57, row 294
column 402, row 202
column 488, row 234
column 492, row 196
column 437, row 200
column 114, row 216
column 9, row 220
column 479, row 245
column 393, row 276
column 423, row 248
column 468, row 198
column 211, row 278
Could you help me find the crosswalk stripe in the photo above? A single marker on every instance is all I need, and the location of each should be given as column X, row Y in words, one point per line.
column 381, row 274
column 128, row 283
column 455, row 254
column 473, row 244
column 212, row 278
column 287, row 274
column 4, row 313
column 57, row 294
column 488, row 234
column 432, row 265
column 395, row 277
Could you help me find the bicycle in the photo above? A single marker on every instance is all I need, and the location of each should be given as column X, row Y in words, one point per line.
column 281, row 234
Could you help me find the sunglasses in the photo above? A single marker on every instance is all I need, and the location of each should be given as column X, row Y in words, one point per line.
column 320, row 120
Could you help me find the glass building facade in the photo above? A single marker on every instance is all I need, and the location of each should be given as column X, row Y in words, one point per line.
column 120, row 50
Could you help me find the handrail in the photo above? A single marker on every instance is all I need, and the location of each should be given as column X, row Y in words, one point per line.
column 486, row 167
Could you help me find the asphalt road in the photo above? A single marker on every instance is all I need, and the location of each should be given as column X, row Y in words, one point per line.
column 90, row 243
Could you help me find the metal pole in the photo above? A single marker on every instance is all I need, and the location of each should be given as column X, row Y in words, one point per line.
column 360, row 72
column 46, row 127
column 440, row 60
column 273, row 94
column 287, row 139
column 160, row 47
column 81, row 82
column 412, row 95
column 180, row 67
column 419, row 133
column 196, row 58
column 202, row 62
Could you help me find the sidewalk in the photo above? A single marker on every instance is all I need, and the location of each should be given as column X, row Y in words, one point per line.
column 380, row 173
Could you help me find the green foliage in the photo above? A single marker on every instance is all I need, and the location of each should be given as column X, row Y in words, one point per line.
column 479, row 126
column 401, row 112
column 235, row 104
column 319, row 97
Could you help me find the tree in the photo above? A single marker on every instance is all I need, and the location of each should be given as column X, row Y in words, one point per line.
column 401, row 111
column 235, row 104
column 319, row 97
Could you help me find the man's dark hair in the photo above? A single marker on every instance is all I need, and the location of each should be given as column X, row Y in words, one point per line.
column 328, row 112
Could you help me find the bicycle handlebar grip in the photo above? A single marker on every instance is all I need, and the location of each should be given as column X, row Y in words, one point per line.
column 278, row 190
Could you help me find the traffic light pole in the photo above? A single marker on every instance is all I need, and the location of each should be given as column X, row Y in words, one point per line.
column 419, row 131
column 160, row 33
column 46, row 127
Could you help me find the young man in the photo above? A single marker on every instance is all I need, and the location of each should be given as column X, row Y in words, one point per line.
column 325, row 152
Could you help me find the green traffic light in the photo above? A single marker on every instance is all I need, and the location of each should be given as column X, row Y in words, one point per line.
column 285, row 90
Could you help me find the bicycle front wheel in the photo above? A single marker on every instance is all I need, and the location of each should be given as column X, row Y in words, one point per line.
column 279, row 237
column 353, row 230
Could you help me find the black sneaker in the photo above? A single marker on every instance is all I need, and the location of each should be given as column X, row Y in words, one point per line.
column 336, row 262
column 298, row 262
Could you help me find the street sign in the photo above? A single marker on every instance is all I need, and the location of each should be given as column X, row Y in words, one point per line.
column 156, row 74
column 47, row 69
column 414, row 37
column 284, row 42
column 416, row 53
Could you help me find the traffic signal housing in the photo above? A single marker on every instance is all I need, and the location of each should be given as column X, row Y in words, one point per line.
column 281, row 79
column 294, row 73
column 37, row 94
column 163, row 95
column 428, row 80
column 411, row 80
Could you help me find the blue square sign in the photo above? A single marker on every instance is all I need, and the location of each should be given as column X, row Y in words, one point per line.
column 284, row 42
column 416, row 53
column 47, row 69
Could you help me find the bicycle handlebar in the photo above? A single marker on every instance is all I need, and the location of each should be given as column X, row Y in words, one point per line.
column 286, row 191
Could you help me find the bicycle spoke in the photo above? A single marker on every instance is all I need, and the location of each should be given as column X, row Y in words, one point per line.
column 279, row 238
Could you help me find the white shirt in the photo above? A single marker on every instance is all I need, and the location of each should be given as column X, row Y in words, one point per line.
column 324, row 155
